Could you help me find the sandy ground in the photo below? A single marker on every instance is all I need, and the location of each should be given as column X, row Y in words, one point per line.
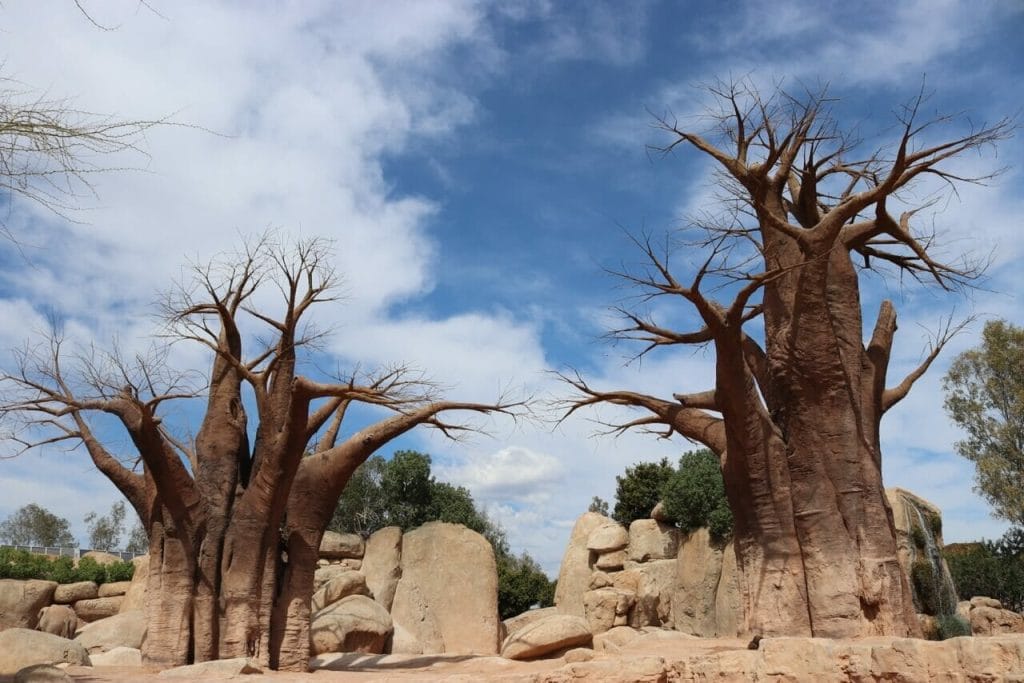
column 408, row 669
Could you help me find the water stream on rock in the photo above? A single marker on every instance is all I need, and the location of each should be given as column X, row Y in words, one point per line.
column 938, row 580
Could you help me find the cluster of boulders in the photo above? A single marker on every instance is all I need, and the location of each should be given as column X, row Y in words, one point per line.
column 76, row 623
column 432, row 590
column 648, row 575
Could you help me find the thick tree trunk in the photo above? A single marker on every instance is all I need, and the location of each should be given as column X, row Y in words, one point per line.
column 168, row 598
column 814, row 535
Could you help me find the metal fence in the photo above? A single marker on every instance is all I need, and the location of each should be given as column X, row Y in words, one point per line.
column 69, row 551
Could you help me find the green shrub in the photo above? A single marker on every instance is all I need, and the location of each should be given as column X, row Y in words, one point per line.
column 992, row 569
column 951, row 626
column 917, row 537
column 120, row 571
column 639, row 489
column 694, row 496
column 91, row 570
column 926, row 589
column 62, row 570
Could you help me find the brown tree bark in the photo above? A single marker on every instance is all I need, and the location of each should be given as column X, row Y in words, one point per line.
column 222, row 534
column 795, row 418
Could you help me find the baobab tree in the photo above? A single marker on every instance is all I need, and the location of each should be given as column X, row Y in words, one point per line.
column 234, row 525
column 798, row 396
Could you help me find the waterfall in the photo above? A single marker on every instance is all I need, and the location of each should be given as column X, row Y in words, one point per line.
column 939, row 581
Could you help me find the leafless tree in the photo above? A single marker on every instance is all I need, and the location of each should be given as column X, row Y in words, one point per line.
column 221, row 512
column 798, row 396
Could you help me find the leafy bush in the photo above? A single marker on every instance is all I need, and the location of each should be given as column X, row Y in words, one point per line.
column 21, row 564
column 694, row 495
column 951, row 626
column 639, row 489
column 120, row 571
column 993, row 569
column 926, row 590
column 521, row 585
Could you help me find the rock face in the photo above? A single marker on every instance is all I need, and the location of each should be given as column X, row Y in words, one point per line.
column 135, row 598
column 20, row 647
column 574, row 574
column 60, row 620
column 918, row 526
column 653, row 584
column 382, row 564
column 335, row 546
column 706, row 600
column 119, row 656
column 606, row 608
column 356, row 623
column 988, row 618
column 127, row 629
column 110, row 590
column 447, row 598
column 650, row 539
column 20, row 602
column 341, row 585
column 98, row 608
column 67, row 593
column 549, row 634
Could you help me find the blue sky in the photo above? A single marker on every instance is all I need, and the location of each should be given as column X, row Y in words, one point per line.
column 478, row 166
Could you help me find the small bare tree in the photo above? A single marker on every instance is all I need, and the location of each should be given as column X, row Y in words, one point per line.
column 233, row 525
column 798, row 397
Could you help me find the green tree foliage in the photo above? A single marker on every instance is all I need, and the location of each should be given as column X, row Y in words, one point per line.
column 992, row 569
column 105, row 531
column 33, row 525
column 138, row 542
column 985, row 397
column 694, row 495
column 20, row 564
column 598, row 505
column 639, row 490
column 521, row 585
column 402, row 492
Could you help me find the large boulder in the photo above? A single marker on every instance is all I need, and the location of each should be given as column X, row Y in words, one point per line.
column 988, row 618
column 21, row 647
column 67, row 593
column 215, row 670
column 698, row 571
column 341, row 585
column 101, row 557
column 119, row 656
column 607, row 538
column 606, row 608
column 650, row 539
column 447, row 598
column 356, row 623
column 521, row 621
column 335, row 546
column 126, row 629
column 653, row 584
column 113, row 589
column 20, row 602
column 551, row 634
column 382, row 564
column 577, row 564
column 98, row 608
column 42, row 673
column 135, row 598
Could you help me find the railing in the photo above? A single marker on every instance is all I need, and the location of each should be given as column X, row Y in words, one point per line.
column 69, row 551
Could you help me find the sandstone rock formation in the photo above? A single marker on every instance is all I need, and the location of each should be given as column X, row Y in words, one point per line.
column 551, row 633
column 447, row 598
column 113, row 589
column 67, row 593
column 125, row 629
column 521, row 621
column 382, row 564
column 340, row 585
column 135, row 597
column 650, row 539
column 98, row 608
column 215, row 670
column 988, row 618
column 20, row 602
column 353, row 624
column 335, row 546
column 21, row 647
column 118, row 656
column 574, row 574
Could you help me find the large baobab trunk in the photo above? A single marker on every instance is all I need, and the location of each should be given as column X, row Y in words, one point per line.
column 814, row 533
column 795, row 409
